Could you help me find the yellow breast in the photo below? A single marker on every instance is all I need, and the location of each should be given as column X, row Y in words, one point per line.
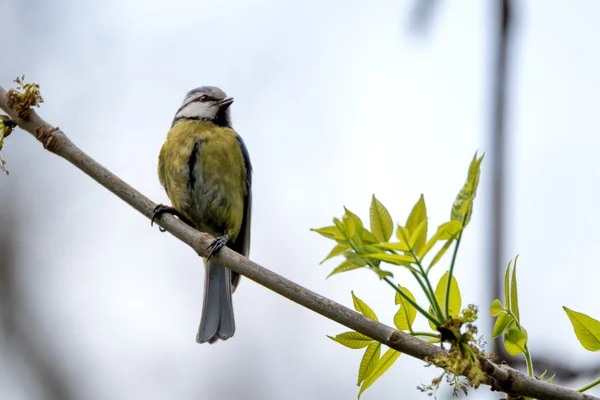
column 202, row 169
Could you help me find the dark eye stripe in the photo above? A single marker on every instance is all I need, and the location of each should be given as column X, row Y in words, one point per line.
column 205, row 98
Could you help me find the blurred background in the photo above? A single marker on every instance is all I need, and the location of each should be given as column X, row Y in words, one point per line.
column 335, row 101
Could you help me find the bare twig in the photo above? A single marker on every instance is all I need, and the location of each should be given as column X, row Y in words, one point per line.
column 501, row 377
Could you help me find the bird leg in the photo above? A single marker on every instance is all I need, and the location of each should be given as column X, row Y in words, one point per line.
column 161, row 209
column 217, row 245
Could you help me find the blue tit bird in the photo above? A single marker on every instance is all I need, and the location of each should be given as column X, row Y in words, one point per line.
column 205, row 169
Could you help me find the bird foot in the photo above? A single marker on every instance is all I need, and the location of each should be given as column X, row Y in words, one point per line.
column 217, row 245
column 161, row 209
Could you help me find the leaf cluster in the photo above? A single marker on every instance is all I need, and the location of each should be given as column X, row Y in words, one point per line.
column 412, row 248
column 25, row 96
column 507, row 315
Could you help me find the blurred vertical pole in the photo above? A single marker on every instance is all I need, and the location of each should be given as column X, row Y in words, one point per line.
column 498, row 148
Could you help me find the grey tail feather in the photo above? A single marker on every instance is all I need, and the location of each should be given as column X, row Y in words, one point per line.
column 217, row 321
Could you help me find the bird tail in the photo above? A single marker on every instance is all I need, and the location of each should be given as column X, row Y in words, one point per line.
column 217, row 320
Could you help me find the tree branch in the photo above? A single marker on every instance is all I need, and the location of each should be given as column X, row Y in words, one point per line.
column 501, row 377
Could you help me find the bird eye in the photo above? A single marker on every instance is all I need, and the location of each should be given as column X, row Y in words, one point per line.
column 203, row 97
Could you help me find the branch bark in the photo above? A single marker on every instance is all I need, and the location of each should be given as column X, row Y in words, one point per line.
column 501, row 377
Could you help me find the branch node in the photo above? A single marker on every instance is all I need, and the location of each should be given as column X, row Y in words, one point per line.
column 45, row 134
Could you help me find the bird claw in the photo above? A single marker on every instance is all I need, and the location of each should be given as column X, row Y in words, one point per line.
column 161, row 209
column 217, row 245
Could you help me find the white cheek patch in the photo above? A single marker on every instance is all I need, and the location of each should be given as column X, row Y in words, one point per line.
column 196, row 110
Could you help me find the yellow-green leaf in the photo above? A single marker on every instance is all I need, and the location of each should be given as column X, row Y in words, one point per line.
column 363, row 308
column 336, row 251
column 418, row 237
column 330, row 232
column 396, row 259
column 514, row 299
column 369, row 361
column 417, row 220
column 353, row 340
column 382, row 225
column 407, row 313
column 354, row 217
column 496, row 308
column 507, row 285
column 455, row 299
column 350, row 226
column 501, row 323
column 398, row 246
column 341, row 229
column 447, row 231
column 368, row 237
column 587, row 329
column 382, row 273
column 417, row 215
column 463, row 205
column 402, row 234
column 431, row 324
column 383, row 365
column 440, row 254
column 348, row 265
column 515, row 340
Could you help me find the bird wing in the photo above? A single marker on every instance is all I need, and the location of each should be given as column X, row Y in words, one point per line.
column 242, row 242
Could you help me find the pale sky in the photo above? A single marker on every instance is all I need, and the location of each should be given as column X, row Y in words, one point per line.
column 335, row 101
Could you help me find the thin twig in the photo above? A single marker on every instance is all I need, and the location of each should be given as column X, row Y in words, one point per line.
column 501, row 378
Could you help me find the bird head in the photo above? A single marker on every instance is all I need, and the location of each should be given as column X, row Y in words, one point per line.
column 207, row 103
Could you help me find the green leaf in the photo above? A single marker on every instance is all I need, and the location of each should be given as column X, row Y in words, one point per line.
column 341, row 229
column 353, row 222
column 402, row 234
column 496, row 308
column 368, row 249
column 440, row 254
column 382, row 225
column 541, row 377
column 353, row 340
column 440, row 295
column 398, row 246
column 515, row 340
column 455, row 299
column 369, row 361
column 383, row 365
column 407, row 313
column 446, row 231
column 382, row 273
column 350, row 226
column 587, row 329
column 417, row 218
column 368, row 237
column 418, row 237
column 507, row 285
column 449, row 230
column 348, row 265
column 514, row 299
column 503, row 320
column 396, row 259
column 463, row 205
column 363, row 308
column 330, row 232
column 336, row 251
column 431, row 324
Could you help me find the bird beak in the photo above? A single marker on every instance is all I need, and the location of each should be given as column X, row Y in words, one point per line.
column 226, row 102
